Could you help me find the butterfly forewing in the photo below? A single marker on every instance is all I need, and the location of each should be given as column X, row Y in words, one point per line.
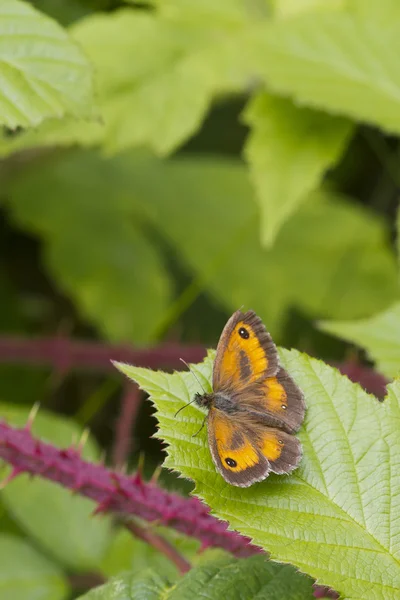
column 245, row 353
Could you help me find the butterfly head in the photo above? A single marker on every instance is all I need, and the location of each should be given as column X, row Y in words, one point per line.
column 205, row 400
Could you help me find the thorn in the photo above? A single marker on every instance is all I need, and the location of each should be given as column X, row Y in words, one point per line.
column 83, row 439
column 102, row 507
column 118, row 486
column 14, row 473
column 204, row 546
column 137, row 478
column 79, row 482
column 156, row 475
column 32, row 416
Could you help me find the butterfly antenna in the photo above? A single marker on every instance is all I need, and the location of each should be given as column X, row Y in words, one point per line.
column 194, row 375
column 184, row 406
column 198, row 381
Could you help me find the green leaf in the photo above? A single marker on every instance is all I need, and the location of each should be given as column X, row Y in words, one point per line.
column 288, row 150
column 288, row 8
column 206, row 208
column 225, row 577
column 148, row 585
column 232, row 12
column 379, row 336
column 338, row 61
column 60, row 522
column 52, row 132
column 156, row 78
column 27, row 575
column 43, row 73
column 337, row 517
column 127, row 553
column 95, row 249
column 386, row 13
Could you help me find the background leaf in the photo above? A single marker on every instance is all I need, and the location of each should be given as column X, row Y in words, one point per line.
column 288, row 151
column 43, row 73
column 27, row 575
column 119, row 280
column 336, row 517
column 50, row 514
column 253, row 577
column 127, row 553
column 378, row 335
column 219, row 240
column 156, row 77
column 335, row 60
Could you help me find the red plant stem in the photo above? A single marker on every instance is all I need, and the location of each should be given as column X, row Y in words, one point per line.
column 161, row 544
column 130, row 405
column 65, row 354
column 117, row 493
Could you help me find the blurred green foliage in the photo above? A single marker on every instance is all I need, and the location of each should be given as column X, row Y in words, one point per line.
column 164, row 163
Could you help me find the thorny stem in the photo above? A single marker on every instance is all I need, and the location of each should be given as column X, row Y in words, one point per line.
column 117, row 493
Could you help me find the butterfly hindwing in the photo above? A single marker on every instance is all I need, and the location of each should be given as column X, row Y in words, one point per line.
column 276, row 401
column 234, row 453
column 282, row 450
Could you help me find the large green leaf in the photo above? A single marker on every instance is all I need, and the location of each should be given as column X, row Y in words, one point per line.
column 57, row 520
column 288, row 150
column 337, row 517
column 342, row 62
column 43, row 73
column 206, row 208
column 378, row 335
column 27, row 575
column 225, row 577
column 156, row 77
column 94, row 248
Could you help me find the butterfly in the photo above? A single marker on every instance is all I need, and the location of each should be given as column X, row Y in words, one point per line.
column 255, row 406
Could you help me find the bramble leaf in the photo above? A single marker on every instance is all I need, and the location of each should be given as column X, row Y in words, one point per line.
column 337, row 517
column 288, row 151
column 43, row 72
column 216, row 234
column 379, row 336
column 156, row 77
column 225, row 577
column 25, row 574
column 118, row 280
column 335, row 60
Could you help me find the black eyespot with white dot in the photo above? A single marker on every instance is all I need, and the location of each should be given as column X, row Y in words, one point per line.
column 284, row 406
column 231, row 463
column 244, row 333
column 280, row 442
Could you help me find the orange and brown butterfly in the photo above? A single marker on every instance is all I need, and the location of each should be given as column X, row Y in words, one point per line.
column 255, row 407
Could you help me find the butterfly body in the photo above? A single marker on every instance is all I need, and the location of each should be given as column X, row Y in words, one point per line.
column 255, row 407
